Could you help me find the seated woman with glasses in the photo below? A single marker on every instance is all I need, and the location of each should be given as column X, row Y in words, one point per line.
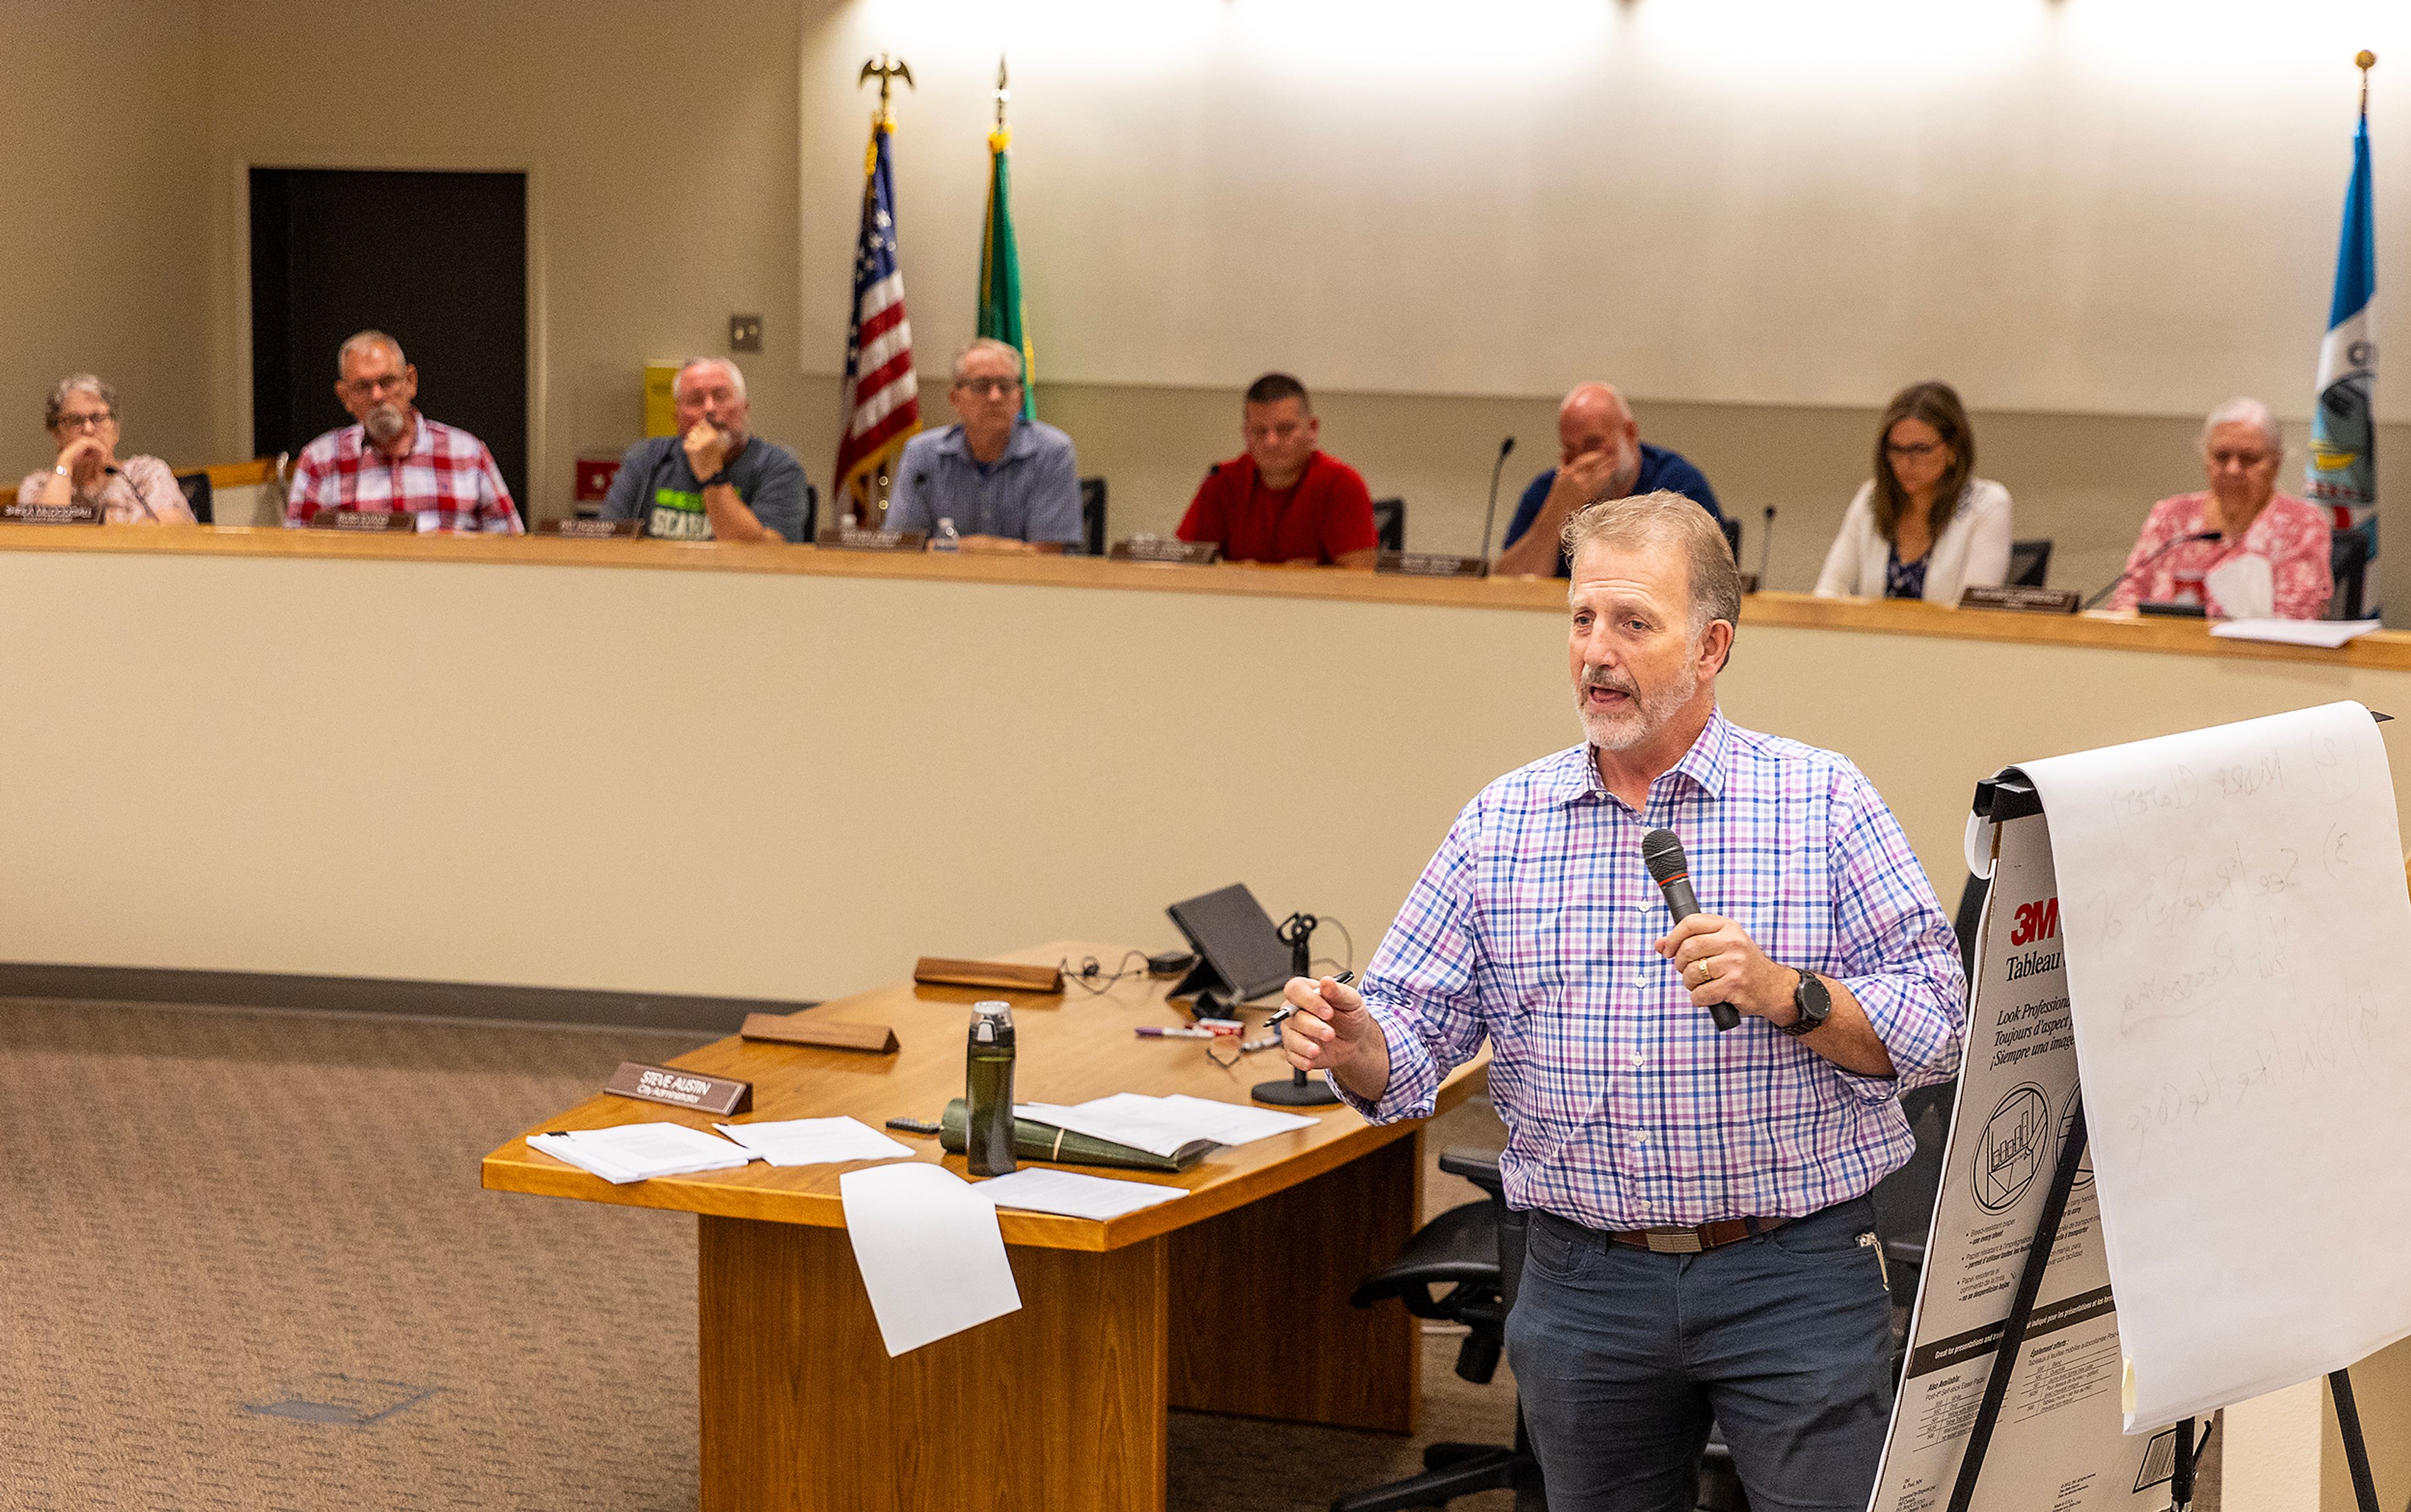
column 1924, row 526
column 81, row 415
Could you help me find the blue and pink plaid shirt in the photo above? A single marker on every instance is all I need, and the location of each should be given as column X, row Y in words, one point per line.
column 1624, row 1108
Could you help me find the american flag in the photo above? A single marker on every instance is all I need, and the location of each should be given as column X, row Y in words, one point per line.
column 883, row 406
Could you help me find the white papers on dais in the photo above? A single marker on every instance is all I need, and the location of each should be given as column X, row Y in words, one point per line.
column 814, row 1141
column 930, row 1251
column 1036, row 1189
column 639, row 1151
column 1161, row 1125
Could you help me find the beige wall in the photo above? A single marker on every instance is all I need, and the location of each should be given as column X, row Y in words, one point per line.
column 107, row 223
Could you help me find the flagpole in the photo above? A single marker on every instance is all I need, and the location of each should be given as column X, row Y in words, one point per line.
column 2364, row 60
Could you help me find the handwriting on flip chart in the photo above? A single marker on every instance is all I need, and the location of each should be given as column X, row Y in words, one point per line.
column 2238, row 959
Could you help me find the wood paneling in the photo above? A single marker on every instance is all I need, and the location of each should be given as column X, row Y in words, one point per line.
column 1055, row 1408
column 1260, row 1325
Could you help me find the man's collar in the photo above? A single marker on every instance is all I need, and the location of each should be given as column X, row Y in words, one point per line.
column 1021, row 443
column 418, row 436
column 1705, row 764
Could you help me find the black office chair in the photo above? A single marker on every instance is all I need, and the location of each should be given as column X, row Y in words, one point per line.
column 1476, row 1251
column 1390, row 523
column 2348, row 563
column 195, row 489
column 1733, row 535
column 812, row 515
column 1093, row 515
column 2029, row 563
column 1971, row 913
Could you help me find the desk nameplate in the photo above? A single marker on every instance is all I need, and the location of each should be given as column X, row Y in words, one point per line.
column 2018, row 599
column 381, row 521
column 1428, row 564
column 74, row 512
column 681, row 1089
column 820, row 1033
column 581, row 528
column 854, row 538
column 1161, row 549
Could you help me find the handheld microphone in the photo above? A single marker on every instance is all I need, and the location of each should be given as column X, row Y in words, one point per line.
column 2118, row 581
column 1765, row 541
column 1490, row 515
column 1671, row 870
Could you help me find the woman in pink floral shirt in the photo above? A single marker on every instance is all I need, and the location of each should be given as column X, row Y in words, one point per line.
column 2270, row 554
column 81, row 416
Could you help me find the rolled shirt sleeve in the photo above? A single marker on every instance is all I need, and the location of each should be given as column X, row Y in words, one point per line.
column 1422, row 986
column 1898, row 953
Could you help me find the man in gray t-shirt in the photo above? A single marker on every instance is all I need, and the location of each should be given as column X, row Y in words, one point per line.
column 712, row 481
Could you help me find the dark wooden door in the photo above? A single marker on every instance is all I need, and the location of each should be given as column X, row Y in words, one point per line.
column 436, row 261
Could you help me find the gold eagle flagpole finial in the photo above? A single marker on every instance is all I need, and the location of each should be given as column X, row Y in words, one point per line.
column 887, row 71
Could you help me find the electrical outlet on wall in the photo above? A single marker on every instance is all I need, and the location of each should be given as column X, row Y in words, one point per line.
column 745, row 333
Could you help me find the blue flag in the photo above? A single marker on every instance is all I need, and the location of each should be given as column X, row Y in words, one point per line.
column 2343, row 475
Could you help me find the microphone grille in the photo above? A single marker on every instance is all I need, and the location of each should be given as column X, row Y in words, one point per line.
column 1663, row 853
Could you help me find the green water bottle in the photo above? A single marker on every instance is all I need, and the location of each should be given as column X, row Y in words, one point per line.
column 988, row 1091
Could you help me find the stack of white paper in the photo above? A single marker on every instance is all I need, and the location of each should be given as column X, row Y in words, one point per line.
column 1161, row 1125
column 2327, row 633
column 636, row 1152
column 814, row 1141
column 1035, row 1189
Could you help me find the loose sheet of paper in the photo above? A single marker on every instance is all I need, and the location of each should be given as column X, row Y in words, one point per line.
column 930, row 1251
column 1036, row 1189
column 638, row 1152
column 2239, row 966
column 1161, row 1125
column 814, row 1141
column 2327, row 633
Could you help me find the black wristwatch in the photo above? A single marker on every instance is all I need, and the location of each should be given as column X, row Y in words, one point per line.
column 1812, row 1002
column 714, row 480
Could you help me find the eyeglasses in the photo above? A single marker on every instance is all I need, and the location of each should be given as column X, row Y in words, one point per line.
column 93, row 422
column 1915, row 449
column 991, row 387
column 391, row 383
column 2246, row 460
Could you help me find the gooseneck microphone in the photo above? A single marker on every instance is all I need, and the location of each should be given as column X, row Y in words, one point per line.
column 1671, row 870
column 1490, row 515
column 2119, row 582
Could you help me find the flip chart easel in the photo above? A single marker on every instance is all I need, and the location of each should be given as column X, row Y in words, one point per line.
column 1999, row 800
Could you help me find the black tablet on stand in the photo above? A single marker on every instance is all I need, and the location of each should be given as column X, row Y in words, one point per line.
column 1239, row 954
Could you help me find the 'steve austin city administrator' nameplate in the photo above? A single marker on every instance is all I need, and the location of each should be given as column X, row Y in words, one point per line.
column 855, row 538
column 681, row 1089
column 27, row 512
column 580, row 529
column 390, row 520
column 1165, row 548
column 1426, row 565
column 2021, row 600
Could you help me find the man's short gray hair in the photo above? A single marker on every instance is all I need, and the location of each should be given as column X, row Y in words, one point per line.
column 988, row 343
column 361, row 341
column 735, row 378
column 1667, row 519
column 2245, row 412
column 74, row 383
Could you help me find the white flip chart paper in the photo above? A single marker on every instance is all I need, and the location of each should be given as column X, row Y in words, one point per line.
column 2238, row 969
column 932, row 1256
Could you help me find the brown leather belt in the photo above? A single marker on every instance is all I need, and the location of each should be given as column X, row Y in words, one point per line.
column 1694, row 1240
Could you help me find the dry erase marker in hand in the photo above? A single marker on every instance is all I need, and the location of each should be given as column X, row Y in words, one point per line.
column 1287, row 1008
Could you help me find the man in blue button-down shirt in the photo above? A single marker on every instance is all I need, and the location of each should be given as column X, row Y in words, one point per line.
column 1009, row 484
column 1702, row 1244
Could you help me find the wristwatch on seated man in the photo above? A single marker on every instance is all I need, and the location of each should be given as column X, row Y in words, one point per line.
column 1810, row 1004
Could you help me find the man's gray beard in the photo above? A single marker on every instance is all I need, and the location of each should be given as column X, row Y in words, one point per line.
column 385, row 424
column 1646, row 715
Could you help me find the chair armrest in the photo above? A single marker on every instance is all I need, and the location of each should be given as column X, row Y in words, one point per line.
column 1479, row 1167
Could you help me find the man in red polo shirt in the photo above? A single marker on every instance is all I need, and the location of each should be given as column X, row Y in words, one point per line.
column 1286, row 500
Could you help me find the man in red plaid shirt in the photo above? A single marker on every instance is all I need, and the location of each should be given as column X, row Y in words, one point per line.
column 396, row 458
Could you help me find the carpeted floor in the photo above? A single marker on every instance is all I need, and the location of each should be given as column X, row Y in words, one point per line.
column 247, row 1264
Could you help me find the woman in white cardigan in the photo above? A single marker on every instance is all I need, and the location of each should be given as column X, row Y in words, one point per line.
column 1924, row 526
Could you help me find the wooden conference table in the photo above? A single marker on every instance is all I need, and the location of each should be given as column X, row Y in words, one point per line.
column 1232, row 1300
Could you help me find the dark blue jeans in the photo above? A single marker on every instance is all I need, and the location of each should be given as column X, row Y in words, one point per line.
column 1623, row 1356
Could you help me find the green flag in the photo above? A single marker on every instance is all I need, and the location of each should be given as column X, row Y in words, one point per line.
column 1000, row 286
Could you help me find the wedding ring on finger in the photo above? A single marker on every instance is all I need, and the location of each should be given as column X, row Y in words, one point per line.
column 1705, row 975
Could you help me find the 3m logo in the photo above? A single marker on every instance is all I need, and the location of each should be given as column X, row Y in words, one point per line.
column 2035, row 921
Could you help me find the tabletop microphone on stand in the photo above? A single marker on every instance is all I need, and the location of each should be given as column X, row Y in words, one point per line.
column 1765, row 543
column 1671, row 870
column 2118, row 581
column 1490, row 515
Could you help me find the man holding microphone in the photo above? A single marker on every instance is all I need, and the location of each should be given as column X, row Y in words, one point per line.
column 1702, row 1246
